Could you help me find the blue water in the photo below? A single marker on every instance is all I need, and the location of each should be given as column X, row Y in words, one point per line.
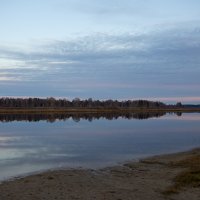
column 27, row 147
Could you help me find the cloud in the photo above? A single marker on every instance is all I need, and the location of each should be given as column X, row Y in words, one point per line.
column 162, row 62
column 184, row 99
column 139, row 47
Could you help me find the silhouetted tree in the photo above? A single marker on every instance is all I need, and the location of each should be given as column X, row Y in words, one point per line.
column 77, row 103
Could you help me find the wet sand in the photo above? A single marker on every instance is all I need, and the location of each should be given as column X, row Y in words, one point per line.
column 147, row 179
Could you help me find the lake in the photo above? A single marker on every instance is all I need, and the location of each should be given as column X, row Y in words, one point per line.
column 32, row 143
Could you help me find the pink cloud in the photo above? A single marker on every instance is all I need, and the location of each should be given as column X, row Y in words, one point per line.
column 174, row 99
column 185, row 100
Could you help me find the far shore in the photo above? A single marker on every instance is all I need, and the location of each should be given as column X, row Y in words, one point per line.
column 93, row 110
column 172, row 177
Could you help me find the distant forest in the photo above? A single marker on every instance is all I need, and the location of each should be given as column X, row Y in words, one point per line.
column 78, row 103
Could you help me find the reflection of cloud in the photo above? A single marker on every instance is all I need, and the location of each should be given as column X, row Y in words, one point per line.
column 7, row 139
column 183, row 117
column 4, row 78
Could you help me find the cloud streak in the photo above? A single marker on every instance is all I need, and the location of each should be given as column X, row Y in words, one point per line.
column 184, row 99
column 159, row 63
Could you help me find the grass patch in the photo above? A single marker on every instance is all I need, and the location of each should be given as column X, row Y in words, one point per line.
column 190, row 177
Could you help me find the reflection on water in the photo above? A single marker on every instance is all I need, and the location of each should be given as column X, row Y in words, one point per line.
column 29, row 147
column 78, row 116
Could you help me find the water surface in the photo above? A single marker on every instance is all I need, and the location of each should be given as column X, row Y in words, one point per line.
column 33, row 143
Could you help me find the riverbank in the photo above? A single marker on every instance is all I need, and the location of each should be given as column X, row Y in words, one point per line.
column 173, row 176
column 94, row 110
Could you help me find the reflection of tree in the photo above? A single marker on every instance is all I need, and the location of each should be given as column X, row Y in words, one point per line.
column 179, row 114
column 76, row 118
column 52, row 117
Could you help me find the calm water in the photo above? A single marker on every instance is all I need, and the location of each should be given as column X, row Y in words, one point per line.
column 27, row 147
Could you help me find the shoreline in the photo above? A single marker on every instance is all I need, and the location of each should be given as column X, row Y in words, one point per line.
column 149, row 178
column 93, row 110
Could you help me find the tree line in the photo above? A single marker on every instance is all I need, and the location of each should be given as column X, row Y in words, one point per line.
column 76, row 103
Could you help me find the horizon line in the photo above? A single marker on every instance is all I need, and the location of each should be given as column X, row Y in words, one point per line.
column 158, row 99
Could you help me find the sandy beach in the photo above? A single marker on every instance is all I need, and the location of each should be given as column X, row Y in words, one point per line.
column 174, row 177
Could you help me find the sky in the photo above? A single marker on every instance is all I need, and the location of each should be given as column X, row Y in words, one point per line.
column 130, row 49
